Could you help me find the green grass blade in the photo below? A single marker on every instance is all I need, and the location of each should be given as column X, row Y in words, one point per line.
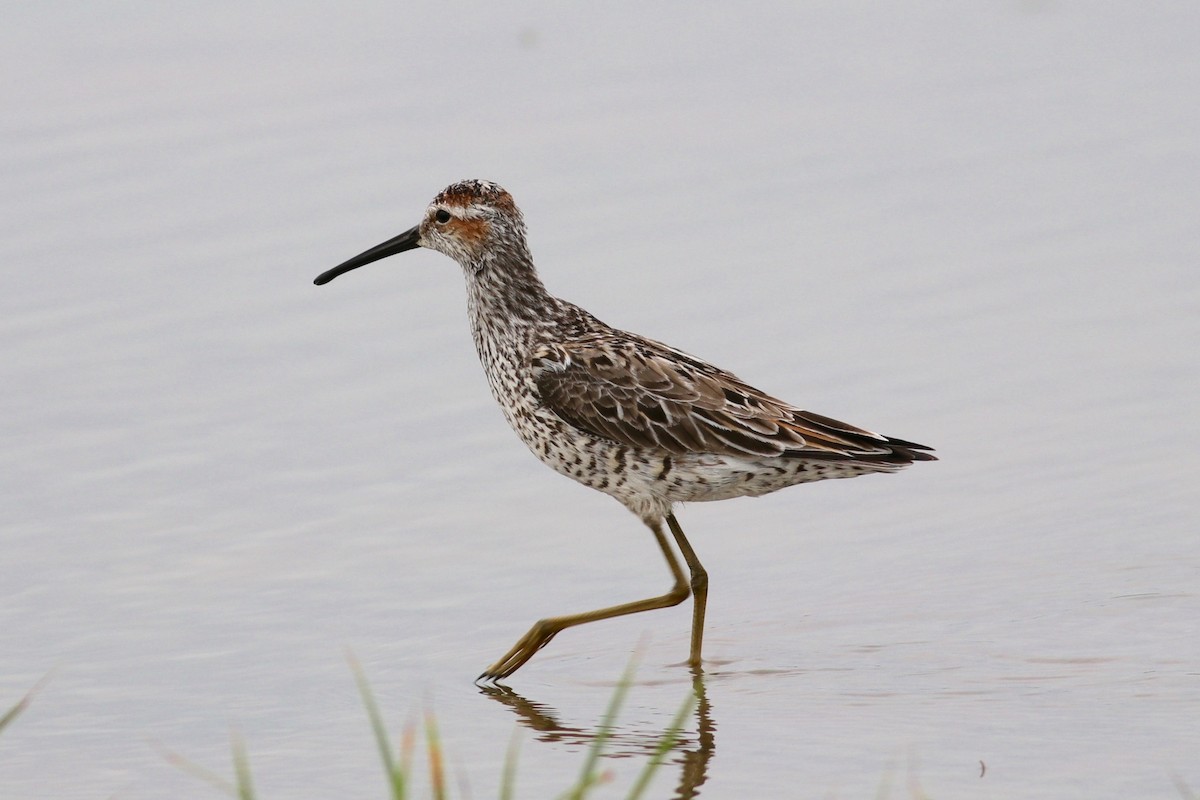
column 433, row 744
column 395, row 775
column 16, row 710
column 23, row 703
column 241, row 768
column 669, row 738
column 508, row 779
column 588, row 776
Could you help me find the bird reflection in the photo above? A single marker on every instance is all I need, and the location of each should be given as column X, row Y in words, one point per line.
column 692, row 750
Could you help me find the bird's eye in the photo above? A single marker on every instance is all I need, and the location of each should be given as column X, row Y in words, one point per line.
column 442, row 216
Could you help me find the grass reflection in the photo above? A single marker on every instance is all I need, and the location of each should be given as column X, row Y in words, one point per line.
column 603, row 741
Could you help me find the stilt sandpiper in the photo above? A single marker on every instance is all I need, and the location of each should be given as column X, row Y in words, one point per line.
column 646, row 423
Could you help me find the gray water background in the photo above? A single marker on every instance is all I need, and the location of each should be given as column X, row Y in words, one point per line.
column 971, row 225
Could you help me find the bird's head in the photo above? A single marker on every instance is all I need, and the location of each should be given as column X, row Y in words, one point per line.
column 473, row 221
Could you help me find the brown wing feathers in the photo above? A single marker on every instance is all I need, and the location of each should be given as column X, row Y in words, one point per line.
column 645, row 394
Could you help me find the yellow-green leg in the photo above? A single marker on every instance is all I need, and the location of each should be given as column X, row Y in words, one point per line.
column 544, row 630
column 699, row 584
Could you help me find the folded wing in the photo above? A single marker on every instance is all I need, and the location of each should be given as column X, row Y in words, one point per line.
column 644, row 394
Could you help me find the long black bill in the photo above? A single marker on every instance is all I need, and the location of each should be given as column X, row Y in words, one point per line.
column 405, row 241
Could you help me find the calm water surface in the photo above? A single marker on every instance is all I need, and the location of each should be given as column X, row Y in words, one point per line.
column 971, row 227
